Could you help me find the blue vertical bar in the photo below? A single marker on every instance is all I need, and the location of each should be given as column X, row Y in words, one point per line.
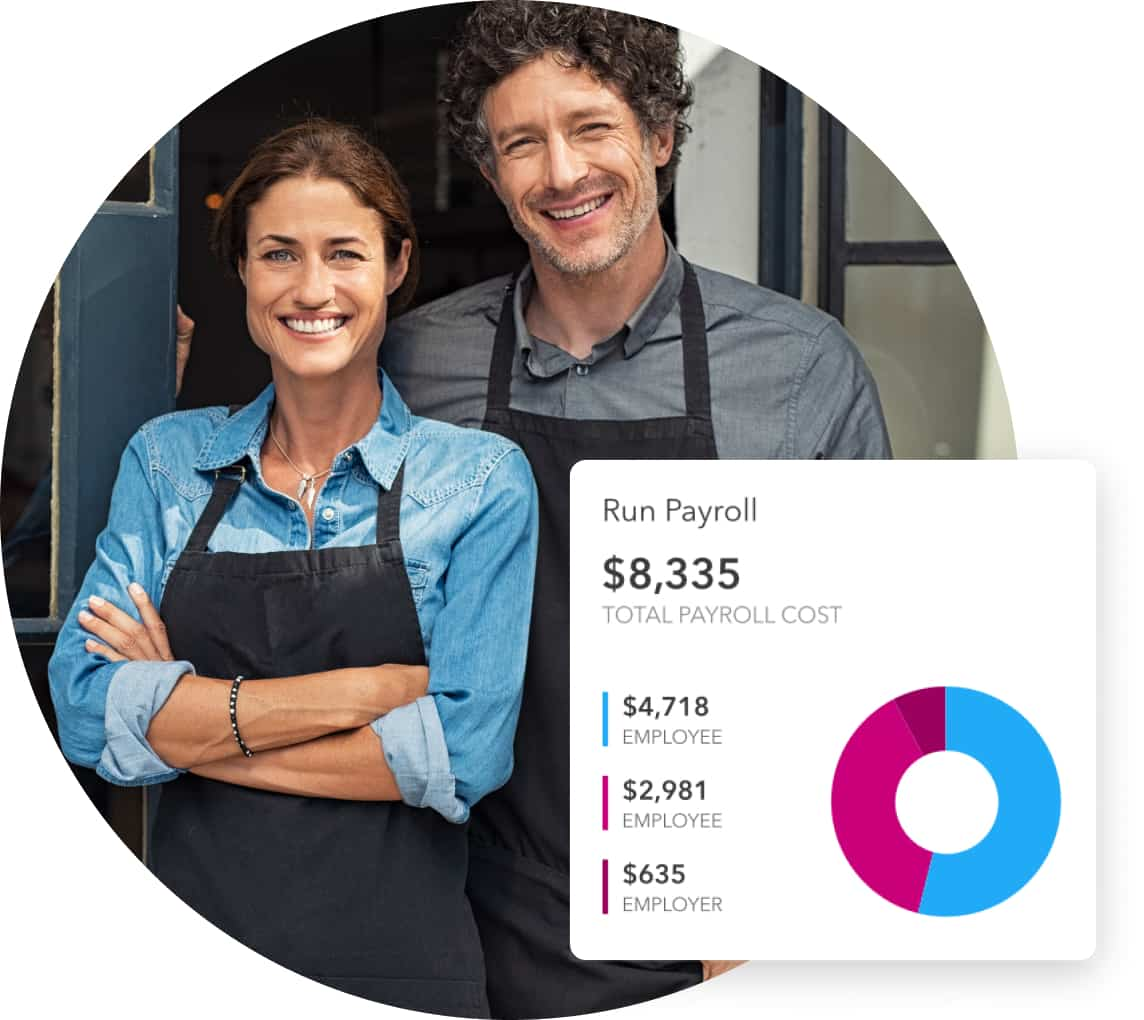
column 605, row 718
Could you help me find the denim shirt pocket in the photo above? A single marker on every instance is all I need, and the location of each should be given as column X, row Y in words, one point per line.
column 418, row 573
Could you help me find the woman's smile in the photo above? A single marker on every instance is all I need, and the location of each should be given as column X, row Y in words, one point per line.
column 317, row 328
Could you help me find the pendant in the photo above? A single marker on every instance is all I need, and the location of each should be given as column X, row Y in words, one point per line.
column 307, row 482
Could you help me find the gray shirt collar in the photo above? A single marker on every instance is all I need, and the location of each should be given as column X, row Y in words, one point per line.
column 543, row 360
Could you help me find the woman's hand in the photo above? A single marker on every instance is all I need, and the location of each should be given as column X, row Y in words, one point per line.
column 184, row 334
column 121, row 636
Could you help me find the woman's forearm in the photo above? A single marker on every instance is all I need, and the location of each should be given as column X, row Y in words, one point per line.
column 193, row 728
column 343, row 766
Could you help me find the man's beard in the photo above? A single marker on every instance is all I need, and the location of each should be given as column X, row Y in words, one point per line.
column 630, row 225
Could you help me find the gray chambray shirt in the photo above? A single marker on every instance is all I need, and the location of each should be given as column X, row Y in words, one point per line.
column 787, row 381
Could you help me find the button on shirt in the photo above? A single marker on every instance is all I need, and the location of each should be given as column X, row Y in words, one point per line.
column 786, row 380
column 468, row 531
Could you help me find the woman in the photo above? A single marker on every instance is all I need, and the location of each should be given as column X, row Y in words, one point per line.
column 309, row 554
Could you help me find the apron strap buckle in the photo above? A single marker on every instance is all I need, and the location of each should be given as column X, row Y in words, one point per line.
column 240, row 477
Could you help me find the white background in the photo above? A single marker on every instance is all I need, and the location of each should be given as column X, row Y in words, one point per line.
column 1014, row 126
column 966, row 573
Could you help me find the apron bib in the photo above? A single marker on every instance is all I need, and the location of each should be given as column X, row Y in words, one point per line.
column 518, row 871
column 365, row 897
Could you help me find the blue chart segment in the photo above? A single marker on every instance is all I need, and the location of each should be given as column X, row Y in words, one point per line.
column 920, row 723
column 1028, row 807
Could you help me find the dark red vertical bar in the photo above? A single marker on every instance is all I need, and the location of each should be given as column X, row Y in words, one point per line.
column 605, row 885
column 605, row 794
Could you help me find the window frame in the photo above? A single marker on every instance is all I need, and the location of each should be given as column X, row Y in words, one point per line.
column 835, row 251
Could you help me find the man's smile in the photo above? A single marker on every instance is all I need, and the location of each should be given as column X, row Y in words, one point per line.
column 579, row 211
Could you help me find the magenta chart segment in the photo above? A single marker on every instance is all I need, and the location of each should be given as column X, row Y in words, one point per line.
column 865, row 818
column 889, row 742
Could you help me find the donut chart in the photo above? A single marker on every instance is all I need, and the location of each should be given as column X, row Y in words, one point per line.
column 923, row 722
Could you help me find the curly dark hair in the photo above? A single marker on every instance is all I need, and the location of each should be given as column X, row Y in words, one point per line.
column 640, row 57
column 316, row 147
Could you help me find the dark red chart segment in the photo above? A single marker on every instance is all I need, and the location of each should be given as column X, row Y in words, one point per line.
column 924, row 712
column 865, row 789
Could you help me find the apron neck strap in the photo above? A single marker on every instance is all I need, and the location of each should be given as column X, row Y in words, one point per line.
column 227, row 481
column 389, row 509
column 696, row 377
column 504, row 350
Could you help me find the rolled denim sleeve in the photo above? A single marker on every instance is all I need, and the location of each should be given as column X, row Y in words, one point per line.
column 136, row 692
column 103, row 709
column 452, row 748
column 415, row 749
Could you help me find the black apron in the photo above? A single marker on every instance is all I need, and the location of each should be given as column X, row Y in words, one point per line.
column 518, row 869
column 365, row 897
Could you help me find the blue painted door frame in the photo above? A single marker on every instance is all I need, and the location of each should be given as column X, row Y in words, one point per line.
column 115, row 358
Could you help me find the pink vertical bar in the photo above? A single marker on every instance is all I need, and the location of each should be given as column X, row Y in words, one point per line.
column 605, row 803
column 605, row 885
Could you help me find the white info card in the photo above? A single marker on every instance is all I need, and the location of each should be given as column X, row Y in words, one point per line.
column 833, row 710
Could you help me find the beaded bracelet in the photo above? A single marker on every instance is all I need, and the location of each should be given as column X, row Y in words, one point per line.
column 234, row 717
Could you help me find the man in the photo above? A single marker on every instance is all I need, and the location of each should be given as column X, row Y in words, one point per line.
column 607, row 345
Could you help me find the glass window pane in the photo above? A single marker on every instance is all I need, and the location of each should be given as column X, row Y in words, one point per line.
column 922, row 336
column 136, row 183
column 878, row 208
column 26, row 491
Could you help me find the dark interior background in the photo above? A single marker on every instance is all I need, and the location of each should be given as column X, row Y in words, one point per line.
column 384, row 76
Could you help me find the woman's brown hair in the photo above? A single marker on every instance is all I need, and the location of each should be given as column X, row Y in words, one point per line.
column 326, row 150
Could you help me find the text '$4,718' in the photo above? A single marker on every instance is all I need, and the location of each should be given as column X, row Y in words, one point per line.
column 665, row 705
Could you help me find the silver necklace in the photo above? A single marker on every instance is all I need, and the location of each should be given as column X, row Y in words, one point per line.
column 307, row 490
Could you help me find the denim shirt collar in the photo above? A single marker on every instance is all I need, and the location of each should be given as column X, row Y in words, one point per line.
column 545, row 360
column 381, row 450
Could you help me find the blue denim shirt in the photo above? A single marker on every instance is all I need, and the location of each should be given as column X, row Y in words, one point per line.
column 468, row 530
